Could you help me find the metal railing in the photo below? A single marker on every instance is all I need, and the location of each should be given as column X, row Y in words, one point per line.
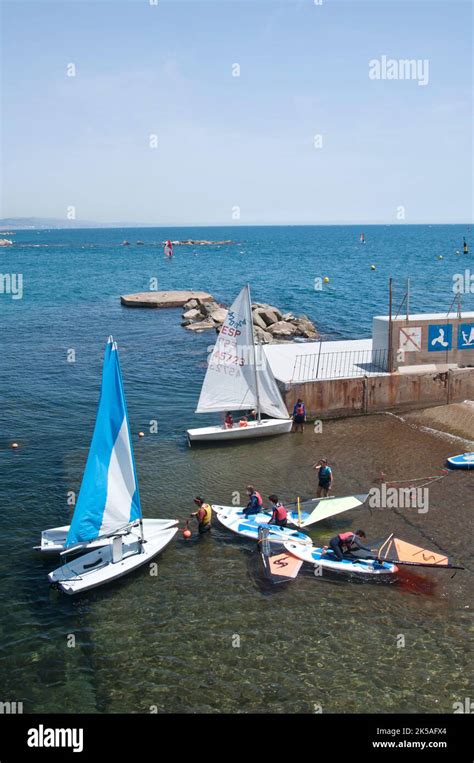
column 336, row 365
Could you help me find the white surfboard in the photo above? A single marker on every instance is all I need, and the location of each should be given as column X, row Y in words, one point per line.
column 233, row 519
column 328, row 560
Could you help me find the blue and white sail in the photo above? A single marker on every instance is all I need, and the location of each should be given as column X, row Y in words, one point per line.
column 109, row 498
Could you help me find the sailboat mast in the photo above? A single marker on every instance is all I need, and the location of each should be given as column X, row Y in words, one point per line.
column 254, row 354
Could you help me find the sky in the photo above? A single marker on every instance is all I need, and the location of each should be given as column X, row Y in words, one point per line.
column 233, row 150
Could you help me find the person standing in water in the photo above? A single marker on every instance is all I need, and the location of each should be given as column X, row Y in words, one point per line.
column 203, row 515
column 325, row 478
column 168, row 249
column 299, row 415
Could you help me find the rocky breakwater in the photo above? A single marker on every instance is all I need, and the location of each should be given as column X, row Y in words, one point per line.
column 270, row 324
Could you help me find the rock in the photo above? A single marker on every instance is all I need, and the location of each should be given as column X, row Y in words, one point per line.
column 305, row 327
column 288, row 317
column 258, row 320
column 282, row 329
column 191, row 304
column 262, row 336
column 192, row 315
column 269, row 315
column 186, row 322
column 219, row 315
column 207, row 308
column 201, row 325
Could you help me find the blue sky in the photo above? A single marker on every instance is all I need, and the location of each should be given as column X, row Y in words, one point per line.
column 247, row 141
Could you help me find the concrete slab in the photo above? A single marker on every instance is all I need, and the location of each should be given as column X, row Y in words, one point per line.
column 297, row 362
column 163, row 298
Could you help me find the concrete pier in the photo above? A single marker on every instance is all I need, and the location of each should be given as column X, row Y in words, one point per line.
column 432, row 358
column 163, row 298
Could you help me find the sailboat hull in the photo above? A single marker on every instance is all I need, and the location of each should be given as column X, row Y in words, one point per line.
column 53, row 540
column 99, row 567
column 263, row 428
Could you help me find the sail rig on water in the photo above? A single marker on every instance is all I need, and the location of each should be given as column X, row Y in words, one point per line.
column 239, row 378
column 395, row 550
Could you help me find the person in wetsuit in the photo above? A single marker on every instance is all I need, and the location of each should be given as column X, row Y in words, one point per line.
column 203, row 515
column 279, row 513
column 325, row 478
column 344, row 543
column 255, row 501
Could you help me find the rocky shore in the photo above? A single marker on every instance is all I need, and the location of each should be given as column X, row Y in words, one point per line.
column 270, row 324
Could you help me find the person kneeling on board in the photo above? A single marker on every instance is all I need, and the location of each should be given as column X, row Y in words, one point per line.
column 279, row 513
column 344, row 543
column 255, row 503
column 203, row 515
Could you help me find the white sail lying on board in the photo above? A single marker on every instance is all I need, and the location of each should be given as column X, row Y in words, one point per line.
column 238, row 376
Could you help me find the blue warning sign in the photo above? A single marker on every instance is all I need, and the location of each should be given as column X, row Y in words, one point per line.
column 440, row 338
column 466, row 336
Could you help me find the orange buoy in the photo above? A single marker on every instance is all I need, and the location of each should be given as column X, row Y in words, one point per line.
column 187, row 533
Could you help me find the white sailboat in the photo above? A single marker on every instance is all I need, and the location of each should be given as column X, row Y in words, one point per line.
column 239, row 378
column 108, row 509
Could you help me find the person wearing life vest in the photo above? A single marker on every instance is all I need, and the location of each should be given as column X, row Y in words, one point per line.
column 344, row 543
column 203, row 515
column 299, row 415
column 325, row 478
column 255, row 501
column 243, row 422
column 279, row 513
column 229, row 421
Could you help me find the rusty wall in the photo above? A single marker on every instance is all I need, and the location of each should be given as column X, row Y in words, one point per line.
column 352, row 397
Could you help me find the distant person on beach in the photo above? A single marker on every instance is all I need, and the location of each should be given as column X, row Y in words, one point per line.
column 299, row 415
column 203, row 515
column 168, row 249
column 229, row 421
column 279, row 513
column 344, row 543
column 255, row 501
column 325, row 478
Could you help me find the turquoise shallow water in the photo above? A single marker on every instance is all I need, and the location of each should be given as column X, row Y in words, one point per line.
column 168, row 641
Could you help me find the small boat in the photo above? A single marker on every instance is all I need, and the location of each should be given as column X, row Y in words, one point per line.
column 239, row 378
column 362, row 238
column 279, row 566
column 108, row 505
column 232, row 518
column 463, row 461
column 53, row 541
column 123, row 555
column 326, row 560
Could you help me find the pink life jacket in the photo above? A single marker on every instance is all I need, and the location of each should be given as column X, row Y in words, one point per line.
column 346, row 538
column 280, row 512
column 259, row 498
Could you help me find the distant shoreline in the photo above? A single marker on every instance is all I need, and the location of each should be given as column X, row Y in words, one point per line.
column 10, row 225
